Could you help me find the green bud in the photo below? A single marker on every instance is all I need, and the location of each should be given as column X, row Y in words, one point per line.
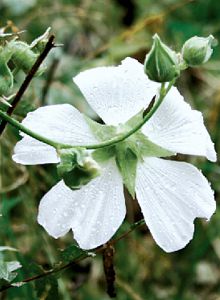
column 23, row 57
column 77, row 167
column 39, row 43
column 161, row 62
column 197, row 50
column 6, row 77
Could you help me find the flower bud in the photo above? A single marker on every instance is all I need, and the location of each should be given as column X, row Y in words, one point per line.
column 197, row 50
column 6, row 77
column 23, row 57
column 161, row 62
column 39, row 43
column 77, row 167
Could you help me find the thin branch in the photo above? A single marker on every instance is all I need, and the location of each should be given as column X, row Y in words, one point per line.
column 72, row 263
column 28, row 79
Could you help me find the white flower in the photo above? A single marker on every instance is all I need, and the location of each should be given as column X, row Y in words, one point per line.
column 171, row 194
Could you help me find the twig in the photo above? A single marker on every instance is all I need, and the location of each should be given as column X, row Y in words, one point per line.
column 109, row 270
column 28, row 79
column 84, row 256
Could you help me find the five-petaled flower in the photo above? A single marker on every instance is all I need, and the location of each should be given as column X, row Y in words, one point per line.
column 171, row 194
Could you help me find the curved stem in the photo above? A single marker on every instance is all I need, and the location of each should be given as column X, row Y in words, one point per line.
column 115, row 140
column 26, row 130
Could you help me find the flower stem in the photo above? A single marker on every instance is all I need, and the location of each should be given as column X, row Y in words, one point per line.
column 26, row 130
column 113, row 141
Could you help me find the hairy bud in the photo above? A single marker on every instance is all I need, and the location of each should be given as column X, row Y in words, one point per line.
column 77, row 167
column 6, row 77
column 197, row 50
column 39, row 43
column 161, row 62
column 23, row 57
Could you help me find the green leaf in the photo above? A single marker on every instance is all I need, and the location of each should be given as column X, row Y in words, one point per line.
column 7, row 270
column 46, row 287
column 71, row 253
column 127, row 163
column 7, row 206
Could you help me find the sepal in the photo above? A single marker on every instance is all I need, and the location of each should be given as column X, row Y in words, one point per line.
column 198, row 50
column 161, row 63
column 77, row 167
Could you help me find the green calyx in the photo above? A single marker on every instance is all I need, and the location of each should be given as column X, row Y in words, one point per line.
column 128, row 152
column 17, row 55
column 6, row 77
column 77, row 167
column 40, row 42
column 23, row 56
column 132, row 150
column 198, row 50
column 161, row 63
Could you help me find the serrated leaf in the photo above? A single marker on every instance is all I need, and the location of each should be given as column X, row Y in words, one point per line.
column 7, row 270
column 127, row 163
column 13, row 265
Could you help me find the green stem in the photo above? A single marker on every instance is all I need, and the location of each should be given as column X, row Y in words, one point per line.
column 26, row 130
column 115, row 140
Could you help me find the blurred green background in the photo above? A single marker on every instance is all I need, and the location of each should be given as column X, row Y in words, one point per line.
column 95, row 33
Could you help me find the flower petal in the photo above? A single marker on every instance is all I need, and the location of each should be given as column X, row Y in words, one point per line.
column 176, row 127
column 29, row 151
column 94, row 212
column 117, row 93
column 62, row 123
column 171, row 195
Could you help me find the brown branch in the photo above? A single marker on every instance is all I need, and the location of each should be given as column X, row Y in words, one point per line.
column 28, row 79
column 80, row 258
